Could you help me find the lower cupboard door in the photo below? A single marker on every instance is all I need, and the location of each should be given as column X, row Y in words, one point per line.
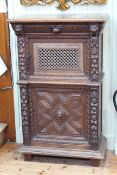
column 63, row 114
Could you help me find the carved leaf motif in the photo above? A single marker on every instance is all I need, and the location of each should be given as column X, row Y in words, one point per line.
column 63, row 4
column 31, row 2
column 93, row 1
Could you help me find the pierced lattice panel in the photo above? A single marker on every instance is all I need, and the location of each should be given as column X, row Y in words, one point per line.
column 57, row 57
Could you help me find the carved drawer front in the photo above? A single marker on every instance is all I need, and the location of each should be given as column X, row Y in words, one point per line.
column 57, row 28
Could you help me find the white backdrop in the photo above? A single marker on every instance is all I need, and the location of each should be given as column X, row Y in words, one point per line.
column 2, row 6
column 15, row 9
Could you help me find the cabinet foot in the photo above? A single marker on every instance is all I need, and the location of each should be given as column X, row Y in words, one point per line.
column 95, row 162
column 27, row 157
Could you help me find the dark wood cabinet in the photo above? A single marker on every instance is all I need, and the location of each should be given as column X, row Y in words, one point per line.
column 60, row 78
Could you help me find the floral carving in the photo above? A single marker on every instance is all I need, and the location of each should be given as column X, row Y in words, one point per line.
column 88, row 117
column 18, row 29
column 62, row 4
column 31, row 111
column 21, row 55
column 25, row 114
column 94, row 72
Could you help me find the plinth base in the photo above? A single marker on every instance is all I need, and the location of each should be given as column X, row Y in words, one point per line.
column 95, row 155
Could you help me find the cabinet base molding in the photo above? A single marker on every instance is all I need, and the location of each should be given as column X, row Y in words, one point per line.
column 91, row 154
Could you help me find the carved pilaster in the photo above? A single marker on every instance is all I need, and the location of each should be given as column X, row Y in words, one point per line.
column 31, row 111
column 94, row 116
column 22, row 58
column 94, row 65
column 25, row 114
column 88, row 117
column 88, row 58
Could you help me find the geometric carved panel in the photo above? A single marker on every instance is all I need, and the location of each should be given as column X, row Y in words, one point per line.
column 59, row 114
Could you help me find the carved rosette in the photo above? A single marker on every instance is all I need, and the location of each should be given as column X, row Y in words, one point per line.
column 25, row 114
column 22, row 58
column 94, row 69
column 94, row 116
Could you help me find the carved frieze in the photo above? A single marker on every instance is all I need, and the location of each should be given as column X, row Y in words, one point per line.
column 62, row 4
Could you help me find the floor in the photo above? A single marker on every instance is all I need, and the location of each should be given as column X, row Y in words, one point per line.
column 12, row 163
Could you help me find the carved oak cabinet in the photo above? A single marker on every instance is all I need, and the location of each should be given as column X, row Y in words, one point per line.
column 60, row 78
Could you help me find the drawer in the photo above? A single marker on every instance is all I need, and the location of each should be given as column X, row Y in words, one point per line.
column 56, row 28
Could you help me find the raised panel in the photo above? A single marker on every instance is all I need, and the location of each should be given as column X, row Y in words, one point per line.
column 58, row 112
column 58, row 59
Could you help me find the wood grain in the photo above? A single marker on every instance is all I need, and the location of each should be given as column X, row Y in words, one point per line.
column 7, row 112
column 6, row 92
column 61, row 113
column 4, row 50
column 12, row 163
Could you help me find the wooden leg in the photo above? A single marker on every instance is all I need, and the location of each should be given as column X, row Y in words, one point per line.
column 95, row 162
column 27, row 157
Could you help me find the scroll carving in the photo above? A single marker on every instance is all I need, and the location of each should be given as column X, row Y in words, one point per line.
column 25, row 114
column 62, row 4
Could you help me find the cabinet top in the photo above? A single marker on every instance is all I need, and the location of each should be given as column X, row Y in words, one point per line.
column 60, row 18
